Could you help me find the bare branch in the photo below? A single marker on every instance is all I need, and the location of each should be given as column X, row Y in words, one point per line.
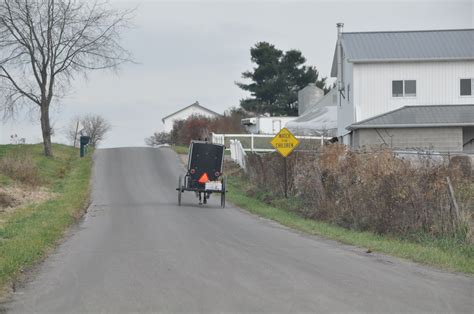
column 94, row 126
column 29, row 95
column 45, row 43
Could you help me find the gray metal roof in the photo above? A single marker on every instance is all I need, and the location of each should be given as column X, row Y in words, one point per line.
column 196, row 104
column 320, row 118
column 455, row 44
column 421, row 116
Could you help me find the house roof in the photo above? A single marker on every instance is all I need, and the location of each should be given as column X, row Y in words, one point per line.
column 453, row 44
column 420, row 116
column 196, row 104
column 319, row 108
column 321, row 118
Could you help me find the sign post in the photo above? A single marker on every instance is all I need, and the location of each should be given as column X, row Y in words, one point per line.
column 285, row 166
column 285, row 142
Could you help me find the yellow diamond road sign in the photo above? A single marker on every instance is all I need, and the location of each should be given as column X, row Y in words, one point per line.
column 284, row 142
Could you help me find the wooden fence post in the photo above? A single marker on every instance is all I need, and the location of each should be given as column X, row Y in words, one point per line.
column 251, row 142
column 452, row 198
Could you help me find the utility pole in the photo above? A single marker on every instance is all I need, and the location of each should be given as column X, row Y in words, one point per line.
column 75, row 133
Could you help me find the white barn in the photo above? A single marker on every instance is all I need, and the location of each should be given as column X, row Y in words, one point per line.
column 194, row 109
column 379, row 72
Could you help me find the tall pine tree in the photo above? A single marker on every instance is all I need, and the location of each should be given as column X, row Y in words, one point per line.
column 276, row 79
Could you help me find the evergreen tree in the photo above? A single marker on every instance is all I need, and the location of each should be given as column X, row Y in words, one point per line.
column 276, row 79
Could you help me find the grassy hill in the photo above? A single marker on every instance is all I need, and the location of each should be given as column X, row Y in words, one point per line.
column 30, row 226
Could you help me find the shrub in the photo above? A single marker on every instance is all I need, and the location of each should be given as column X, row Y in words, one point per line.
column 20, row 166
column 462, row 164
column 371, row 190
column 200, row 127
column 158, row 139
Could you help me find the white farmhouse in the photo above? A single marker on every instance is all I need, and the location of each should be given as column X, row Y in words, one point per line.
column 381, row 72
column 194, row 109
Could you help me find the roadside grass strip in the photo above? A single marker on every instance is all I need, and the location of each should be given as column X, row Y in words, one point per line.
column 182, row 150
column 445, row 253
column 30, row 232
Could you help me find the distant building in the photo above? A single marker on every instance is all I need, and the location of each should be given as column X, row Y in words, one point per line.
column 381, row 72
column 194, row 109
column 266, row 125
column 308, row 97
column 319, row 116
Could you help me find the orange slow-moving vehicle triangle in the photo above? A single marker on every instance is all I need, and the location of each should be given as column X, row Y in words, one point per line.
column 204, row 178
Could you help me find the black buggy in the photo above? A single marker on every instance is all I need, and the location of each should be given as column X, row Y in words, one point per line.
column 204, row 174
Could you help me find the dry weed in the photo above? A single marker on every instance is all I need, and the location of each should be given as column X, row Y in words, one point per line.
column 12, row 197
column 21, row 167
column 6, row 200
column 370, row 190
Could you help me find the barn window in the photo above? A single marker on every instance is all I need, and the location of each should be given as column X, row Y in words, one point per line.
column 466, row 87
column 405, row 88
column 410, row 88
column 397, row 88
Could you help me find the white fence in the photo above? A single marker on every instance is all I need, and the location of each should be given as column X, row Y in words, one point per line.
column 256, row 140
column 237, row 153
column 217, row 138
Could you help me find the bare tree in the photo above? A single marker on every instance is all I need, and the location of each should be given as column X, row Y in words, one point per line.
column 45, row 43
column 158, row 139
column 94, row 126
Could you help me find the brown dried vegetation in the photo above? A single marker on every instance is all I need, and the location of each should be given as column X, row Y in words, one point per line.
column 25, row 185
column 6, row 200
column 200, row 127
column 20, row 166
column 373, row 190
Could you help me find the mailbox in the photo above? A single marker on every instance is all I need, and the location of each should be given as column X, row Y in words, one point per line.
column 84, row 140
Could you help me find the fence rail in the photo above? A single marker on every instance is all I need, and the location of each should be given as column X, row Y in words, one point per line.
column 237, row 153
column 259, row 142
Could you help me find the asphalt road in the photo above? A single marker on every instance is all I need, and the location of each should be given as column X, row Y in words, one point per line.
column 137, row 251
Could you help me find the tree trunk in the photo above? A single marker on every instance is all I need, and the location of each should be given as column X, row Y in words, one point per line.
column 46, row 129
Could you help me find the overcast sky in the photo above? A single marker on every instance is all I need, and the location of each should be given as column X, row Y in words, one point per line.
column 195, row 50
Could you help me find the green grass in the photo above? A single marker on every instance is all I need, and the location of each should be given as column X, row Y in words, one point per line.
column 29, row 233
column 183, row 150
column 264, row 142
column 444, row 253
column 4, row 180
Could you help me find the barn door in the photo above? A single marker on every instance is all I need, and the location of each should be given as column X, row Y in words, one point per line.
column 276, row 126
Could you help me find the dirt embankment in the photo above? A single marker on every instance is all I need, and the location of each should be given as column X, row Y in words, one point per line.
column 16, row 196
column 20, row 179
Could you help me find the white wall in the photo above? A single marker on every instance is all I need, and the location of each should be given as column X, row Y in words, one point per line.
column 345, row 109
column 437, row 83
column 269, row 125
column 183, row 115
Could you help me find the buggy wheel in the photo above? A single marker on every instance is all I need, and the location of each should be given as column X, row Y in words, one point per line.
column 224, row 181
column 180, row 189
